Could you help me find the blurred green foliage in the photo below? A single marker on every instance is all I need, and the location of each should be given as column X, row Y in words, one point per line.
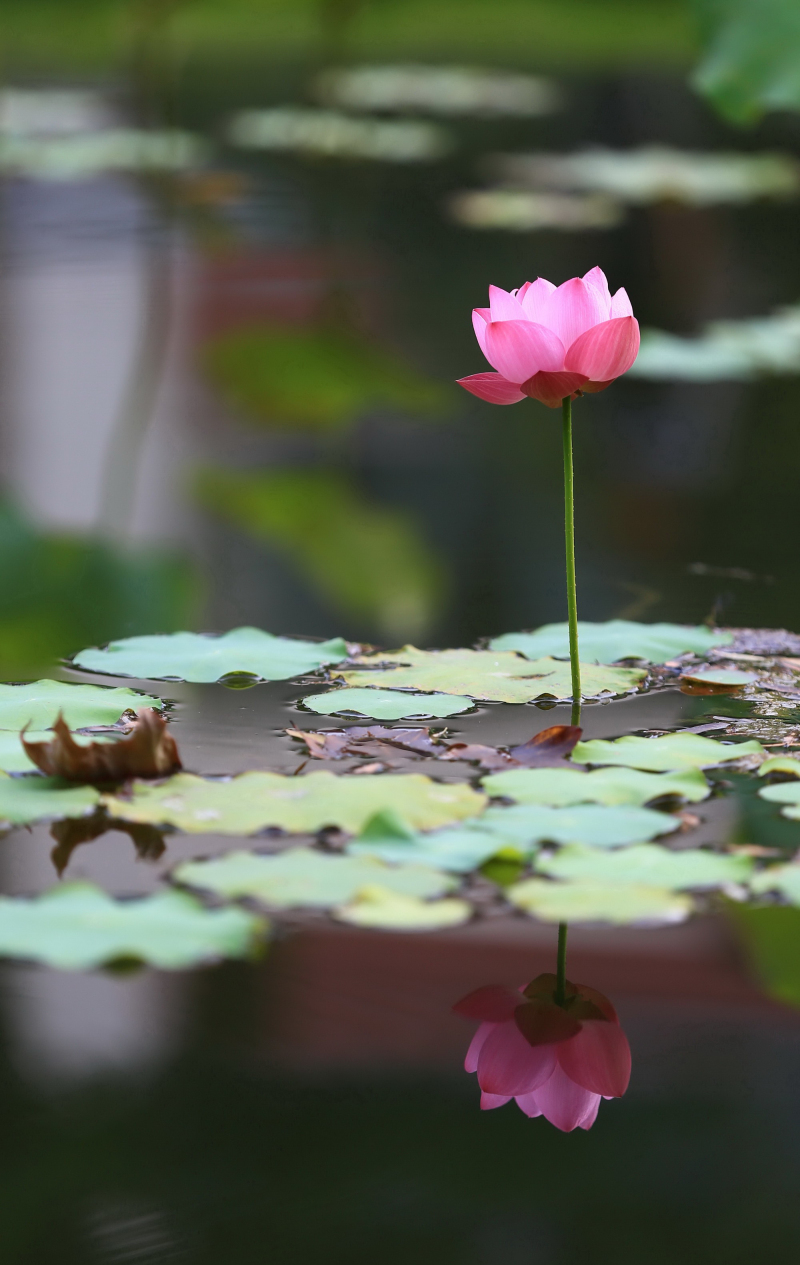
column 369, row 562
column 752, row 57
column 62, row 592
column 771, row 937
column 317, row 378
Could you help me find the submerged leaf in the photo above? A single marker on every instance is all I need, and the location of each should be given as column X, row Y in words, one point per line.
column 374, row 741
column 27, row 799
column 385, row 704
column 147, row 751
column 185, row 656
column 671, row 752
column 561, row 787
column 599, row 902
column 78, row 927
column 616, row 639
column 593, row 824
column 647, row 864
column 40, row 703
column 376, row 906
column 253, row 801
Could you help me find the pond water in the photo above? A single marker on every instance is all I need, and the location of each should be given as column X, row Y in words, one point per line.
column 312, row 1105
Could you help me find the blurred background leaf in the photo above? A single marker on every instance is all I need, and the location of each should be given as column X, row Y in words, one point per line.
column 752, row 56
column 771, row 938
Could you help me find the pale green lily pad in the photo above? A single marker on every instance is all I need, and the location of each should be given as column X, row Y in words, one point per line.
column 78, row 927
column 38, row 704
column 487, row 674
column 780, row 764
column 596, row 825
column 561, row 787
column 616, row 639
column 386, row 704
column 671, row 752
column 303, row 877
column 458, row 849
column 720, row 676
column 185, row 656
column 388, row 911
column 779, row 878
column 27, row 799
column 253, row 801
column 648, row 865
column 599, row 902
column 787, row 793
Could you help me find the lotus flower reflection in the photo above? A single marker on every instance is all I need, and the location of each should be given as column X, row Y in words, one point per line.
column 552, row 342
column 556, row 1061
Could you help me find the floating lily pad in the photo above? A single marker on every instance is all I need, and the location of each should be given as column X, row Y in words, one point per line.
column 647, row 864
column 720, row 676
column 185, row 656
column 387, row 910
column 78, row 927
column 458, row 849
column 787, row 793
column 593, row 824
column 779, row 878
column 303, row 876
column 487, row 674
column 38, row 704
column 27, row 799
column 616, row 639
column 780, row 764
column 561, row 787
column 599, row 902
column 671, row 752
column 253, row 801
column 385, row 704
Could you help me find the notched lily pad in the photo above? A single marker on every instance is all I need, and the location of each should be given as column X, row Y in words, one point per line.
column 253, row 801
column 562, row 787
column 647, row 864
column 385, row 704
column 186, row 656
column 27, row 799
column 779, row 878
column 669, row 753
column 616, row 639
column 599, row 902
column 492, row 676
column 780, row 764
column 39, row 704
column 596, row 825
column 786, row 793
column 386, row 910
column 78, row 927
column 458, row 849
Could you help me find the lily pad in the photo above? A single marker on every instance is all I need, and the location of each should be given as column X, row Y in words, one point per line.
column 596, row 825
column 38, row 704
column 388, row 911
column 669, row 753
column 720, row 676
column 780, row 764
column 647, row 864
column 459, row 849
column 185, row 656
column 78, row 927
column 487, row 674
column 253, row 801
column 613, row 640
column 779, row 878
column 787, row 793
column 561, row 787
column 385, row 704
column 303, row 876
column 27, row 799
column 599, row 902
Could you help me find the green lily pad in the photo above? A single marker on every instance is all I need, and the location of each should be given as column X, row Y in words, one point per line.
column 388, row 911
column 599, row 902
column 487, row 674
column 787, row 793
column 303, row 876
column 27, row 799
column 458, row 849
column 616, row 639
column 38, row 704
column 385, row 704
column 779, row 878
column 185, row 656
column 671, row 752
column 561, row 787
column 779, row 764
column 78, row 927
column 720, row 676
column 253, row 801
column 648, row 865
column 596, row 825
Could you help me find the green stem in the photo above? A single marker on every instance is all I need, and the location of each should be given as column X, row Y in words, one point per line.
column 569, row 534
column 561, row 968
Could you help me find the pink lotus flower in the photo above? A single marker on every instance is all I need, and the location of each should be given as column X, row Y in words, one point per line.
column 555, row 1061
column 549, row 343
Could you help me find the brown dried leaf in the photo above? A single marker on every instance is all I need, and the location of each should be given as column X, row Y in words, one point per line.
column 149, row 750
column 371, row 741
column 549, row 747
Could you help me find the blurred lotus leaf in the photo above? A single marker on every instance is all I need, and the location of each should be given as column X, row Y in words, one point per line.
column 648, row 865
column 458, row 849
column 669, row 753
column 377, row 906
column 561, row 787
column 254, row 801
column 371, row 563
column 148, row 750
column 27, row 799
column 595, row 825
column 720, row 676
column 456, row 90
column 523, row 211
column 780, row 764
column 319, row 379
column 787, row 793
column 771, row 935
column 185, row 656
column 85, row 154
column 501, row 677
column 613, row 640
column 40, row 703
column 779, row 878
column 303, row 876
column 77, row 927
column 752, row 58
column 735, row 351
column 385, row 704
column 599, row 902
column 328, row 134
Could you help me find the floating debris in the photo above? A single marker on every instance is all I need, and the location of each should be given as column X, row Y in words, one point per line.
column 329, row 134
column 449, row 90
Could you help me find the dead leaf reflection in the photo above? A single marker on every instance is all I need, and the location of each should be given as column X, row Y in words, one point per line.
column 149, row 750
column 73, row 831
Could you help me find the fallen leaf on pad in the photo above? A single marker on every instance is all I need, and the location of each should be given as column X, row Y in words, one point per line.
column 149, row 750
